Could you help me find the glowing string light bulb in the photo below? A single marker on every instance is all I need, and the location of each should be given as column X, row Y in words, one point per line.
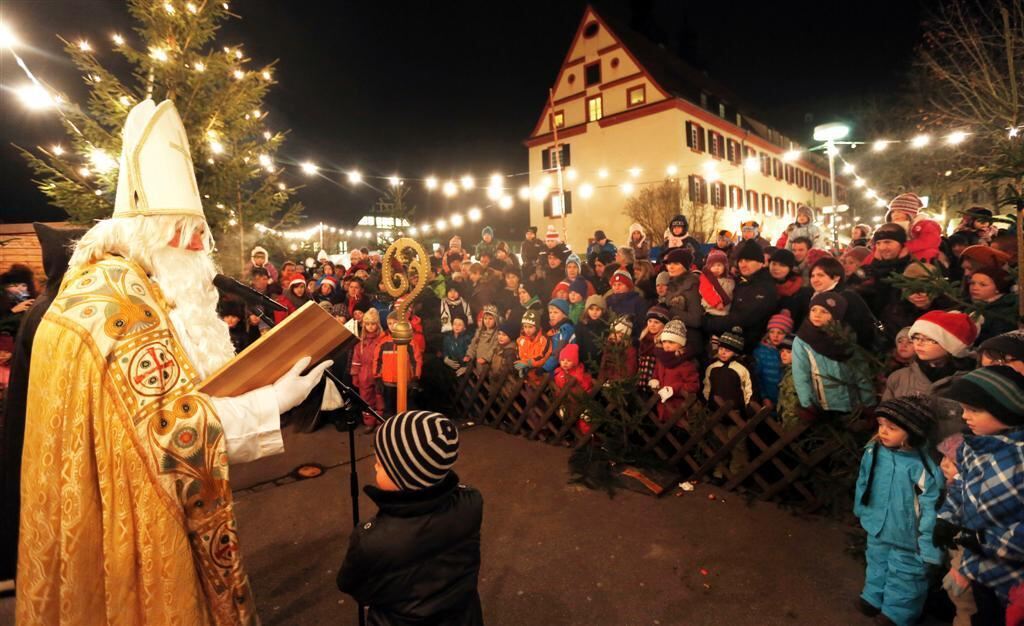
column 309, row 168
column 430, row 183
column 474, row 214
column 505, row 202
column 200, row 66
column 449, row 188
column 920, row 141
column 57, row 150
column 456, row 220
column 672, row 170
column 118, row 39
column 880, row 145
column 355, row 177
column 467, row 182
column 524, row 192
column 84, row 46
column 627, row 188
column 956, row 137
column 394, row 181
column 158, row 54
column 586, row 190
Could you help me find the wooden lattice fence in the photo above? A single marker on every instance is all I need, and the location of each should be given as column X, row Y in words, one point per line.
column 748, row 450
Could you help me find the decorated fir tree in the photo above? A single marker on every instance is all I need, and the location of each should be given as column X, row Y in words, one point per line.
column 173, row 55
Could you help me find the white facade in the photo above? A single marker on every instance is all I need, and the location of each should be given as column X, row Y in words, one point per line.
column 625, row 130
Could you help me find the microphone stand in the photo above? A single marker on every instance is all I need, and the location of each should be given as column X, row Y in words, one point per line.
column 352, row 397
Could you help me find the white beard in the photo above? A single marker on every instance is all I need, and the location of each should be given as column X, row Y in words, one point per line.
column 186, row 280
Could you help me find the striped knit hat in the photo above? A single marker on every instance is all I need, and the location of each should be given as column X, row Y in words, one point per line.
column 998, row 389
column 911, row 413
column 781, row 321
column 908, row 202
column 417, row 448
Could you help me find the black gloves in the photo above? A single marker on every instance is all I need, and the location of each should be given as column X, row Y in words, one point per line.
column 949, row 536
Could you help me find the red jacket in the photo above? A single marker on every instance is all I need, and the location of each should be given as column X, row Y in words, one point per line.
column 680, row 374
column 584, row 380
column 363, row 356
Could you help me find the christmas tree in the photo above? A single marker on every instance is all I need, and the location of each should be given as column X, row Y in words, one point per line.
column 174, row 56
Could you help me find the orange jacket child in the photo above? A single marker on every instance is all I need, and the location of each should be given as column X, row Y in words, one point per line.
column 533, row 350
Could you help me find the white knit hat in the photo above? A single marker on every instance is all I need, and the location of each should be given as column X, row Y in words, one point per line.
column 156, row 175
column 675, row 331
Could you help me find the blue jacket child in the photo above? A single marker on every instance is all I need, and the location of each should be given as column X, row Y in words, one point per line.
column 985, row 508
column 562, row 331
column 767, row 362
column 896, row 500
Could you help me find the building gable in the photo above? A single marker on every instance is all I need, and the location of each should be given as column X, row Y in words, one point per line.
column 598, row 64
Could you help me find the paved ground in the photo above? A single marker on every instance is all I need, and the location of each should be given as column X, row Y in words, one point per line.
column 553, row 554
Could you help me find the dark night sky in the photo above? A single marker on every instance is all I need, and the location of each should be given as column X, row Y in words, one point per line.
column 449, row 87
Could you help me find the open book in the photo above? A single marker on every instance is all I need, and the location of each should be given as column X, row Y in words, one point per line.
column 310, row 331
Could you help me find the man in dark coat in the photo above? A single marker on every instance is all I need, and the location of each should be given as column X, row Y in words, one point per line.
column 418, row 560
column 889, row 259
column 753, row 301
column 55, row 244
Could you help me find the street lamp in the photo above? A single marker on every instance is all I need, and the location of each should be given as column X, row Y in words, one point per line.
column 830, row 134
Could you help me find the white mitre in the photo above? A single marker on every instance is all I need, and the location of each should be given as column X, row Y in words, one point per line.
column 156, row 176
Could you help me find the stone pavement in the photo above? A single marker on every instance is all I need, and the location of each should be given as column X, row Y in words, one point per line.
column 553, row 553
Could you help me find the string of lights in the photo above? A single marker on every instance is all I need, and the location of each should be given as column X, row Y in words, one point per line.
column 500, row 190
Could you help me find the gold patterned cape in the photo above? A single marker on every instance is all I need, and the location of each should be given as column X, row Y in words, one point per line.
column 126, row 509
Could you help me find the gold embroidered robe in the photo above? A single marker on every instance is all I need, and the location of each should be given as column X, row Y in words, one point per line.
column 126, row 509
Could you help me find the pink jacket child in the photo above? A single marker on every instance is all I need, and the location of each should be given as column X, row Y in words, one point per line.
column 675, row 370
column 569, row 367
column 362, row 363
column 923, row 235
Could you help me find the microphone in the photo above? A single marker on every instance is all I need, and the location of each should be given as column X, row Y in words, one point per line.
column 227, row 284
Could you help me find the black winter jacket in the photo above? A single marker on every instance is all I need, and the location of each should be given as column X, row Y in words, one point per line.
column 876, row 290
column 418, row 560
column 753, row 302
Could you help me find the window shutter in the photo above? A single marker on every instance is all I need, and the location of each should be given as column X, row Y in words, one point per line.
column 547, row 205
column 689, row 136
column 692, row 181
column 566, row 160
column 700, row 138
column 567, row 203
column 545, row 159
column 703, row 191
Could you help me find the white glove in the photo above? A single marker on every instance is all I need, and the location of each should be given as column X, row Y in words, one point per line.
column 665, row 393
column 292, row 388
column 654, row 383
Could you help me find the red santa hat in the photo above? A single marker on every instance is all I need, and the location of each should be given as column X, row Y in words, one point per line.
column 908, row 202
column 552, row 235
column 622, row 276
column 952, row 330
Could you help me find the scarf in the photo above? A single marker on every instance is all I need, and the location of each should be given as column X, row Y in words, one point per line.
column 671, row 359
column 712, row 292
column 788, row 287
column 935, row 373
column 832, row 342
column 297, row 301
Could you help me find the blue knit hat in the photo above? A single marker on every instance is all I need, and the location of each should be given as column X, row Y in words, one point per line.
column 574, row 258
column 561, row 304
column 417, row 448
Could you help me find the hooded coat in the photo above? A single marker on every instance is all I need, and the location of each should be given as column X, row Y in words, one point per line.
column 809, row 230
column 641, row 248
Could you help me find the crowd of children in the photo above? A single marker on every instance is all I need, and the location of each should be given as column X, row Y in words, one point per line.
column 811, row 331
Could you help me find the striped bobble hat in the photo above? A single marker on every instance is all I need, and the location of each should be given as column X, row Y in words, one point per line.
column 909, row 202
column 998, row 389
column 417, row 448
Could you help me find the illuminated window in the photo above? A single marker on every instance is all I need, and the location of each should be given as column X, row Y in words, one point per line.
column 559, row 119
column 594, row 110
column 636, row 95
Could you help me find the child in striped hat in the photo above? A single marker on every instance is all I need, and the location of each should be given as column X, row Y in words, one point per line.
column 767, row 362
column 984, row 508
column 419, row 558
column 924, row 235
